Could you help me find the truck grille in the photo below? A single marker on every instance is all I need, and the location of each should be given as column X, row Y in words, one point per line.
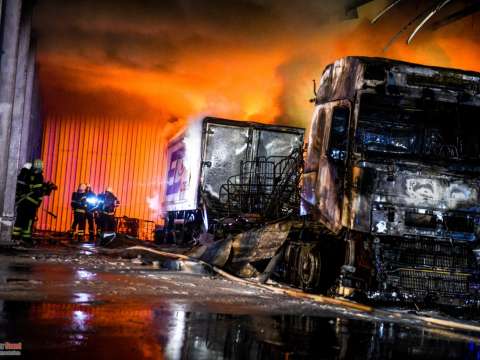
column 424, row 266
column 434, row 260
column 423, row 282
column 428, row 253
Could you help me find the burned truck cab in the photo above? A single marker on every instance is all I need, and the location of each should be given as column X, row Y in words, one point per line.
column 393, row 169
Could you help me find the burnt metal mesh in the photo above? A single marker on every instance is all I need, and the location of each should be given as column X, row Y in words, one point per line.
column 137, row 228
column 424, row 282
column 426, row 266
column 428, row 253
column 266, row 186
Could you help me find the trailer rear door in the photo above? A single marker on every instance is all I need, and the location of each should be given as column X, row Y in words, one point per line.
column 225, row 147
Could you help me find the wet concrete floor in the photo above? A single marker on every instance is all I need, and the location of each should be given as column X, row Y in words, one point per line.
column 78, row 310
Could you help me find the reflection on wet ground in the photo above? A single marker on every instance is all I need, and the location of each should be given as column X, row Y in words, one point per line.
column 71, row 322
column 133, row 331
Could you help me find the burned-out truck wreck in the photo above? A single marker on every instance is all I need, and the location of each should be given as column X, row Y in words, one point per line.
column 385, row 204
column 392, row 169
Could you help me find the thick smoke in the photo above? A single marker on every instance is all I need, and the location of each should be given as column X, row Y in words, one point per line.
column 252, row 59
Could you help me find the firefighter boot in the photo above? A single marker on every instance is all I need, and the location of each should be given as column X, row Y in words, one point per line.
column 27, row 238
column 16, row 233
column 80, row 236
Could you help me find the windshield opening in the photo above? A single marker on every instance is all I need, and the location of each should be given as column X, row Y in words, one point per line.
column 436, row 130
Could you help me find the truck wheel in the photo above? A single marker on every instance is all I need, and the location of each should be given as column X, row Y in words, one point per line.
column 310, row 268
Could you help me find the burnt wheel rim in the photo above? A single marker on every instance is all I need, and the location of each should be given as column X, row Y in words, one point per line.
column 310, row 270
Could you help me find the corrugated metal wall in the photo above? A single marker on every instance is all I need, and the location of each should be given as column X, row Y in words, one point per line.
column 126, row 155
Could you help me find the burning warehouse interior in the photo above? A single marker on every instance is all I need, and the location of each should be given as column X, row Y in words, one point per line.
column 173, row 186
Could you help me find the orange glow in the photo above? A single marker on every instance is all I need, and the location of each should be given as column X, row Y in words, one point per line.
column 243, row 88
column 125, row 155
column 128, row 320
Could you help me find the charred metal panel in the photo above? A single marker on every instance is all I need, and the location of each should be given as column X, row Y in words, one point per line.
column 309, row 182
column 357, row 210
column 316, row 139
column 273, row 144
column 444, row 84
column 226, row 146
column 213, row 151
column 411, row 200
column 398, row 199
column 315, row 149
column 327, row 194
column 259, row 244
column 340, row 80
column 323, row 189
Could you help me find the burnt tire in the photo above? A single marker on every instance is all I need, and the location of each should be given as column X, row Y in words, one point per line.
column 310, row 268
column 313, row 262
column 319, row 265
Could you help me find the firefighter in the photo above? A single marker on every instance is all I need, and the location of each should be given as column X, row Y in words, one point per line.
column 21, row 191
column 92, row 206
column 79, row 208
column 108, row 203
column 30, row 190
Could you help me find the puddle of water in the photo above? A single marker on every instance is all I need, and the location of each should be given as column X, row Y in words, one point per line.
column 85, row 275
column 87, row 249
column 139, row 331
column 81, row 297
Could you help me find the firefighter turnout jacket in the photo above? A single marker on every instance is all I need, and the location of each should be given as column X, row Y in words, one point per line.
column 30, row 190
column 109, row 203
column 79, row 202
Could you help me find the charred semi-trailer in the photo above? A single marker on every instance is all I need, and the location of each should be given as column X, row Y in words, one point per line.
column 393, row 170
column 227, row 175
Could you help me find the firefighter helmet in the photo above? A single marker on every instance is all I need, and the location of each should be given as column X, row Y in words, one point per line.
column 38, row 164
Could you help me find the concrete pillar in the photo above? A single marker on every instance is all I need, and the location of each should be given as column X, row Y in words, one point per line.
column 8, row 66
column 16, row 128
column 21, row 97
column 28, row 108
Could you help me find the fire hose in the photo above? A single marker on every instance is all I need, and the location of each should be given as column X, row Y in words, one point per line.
column 50, row 213
column 285, row 291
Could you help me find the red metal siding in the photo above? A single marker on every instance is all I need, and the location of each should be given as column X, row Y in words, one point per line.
column 126, row 155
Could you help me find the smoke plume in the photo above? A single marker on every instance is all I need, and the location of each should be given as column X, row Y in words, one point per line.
column 247, row 59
